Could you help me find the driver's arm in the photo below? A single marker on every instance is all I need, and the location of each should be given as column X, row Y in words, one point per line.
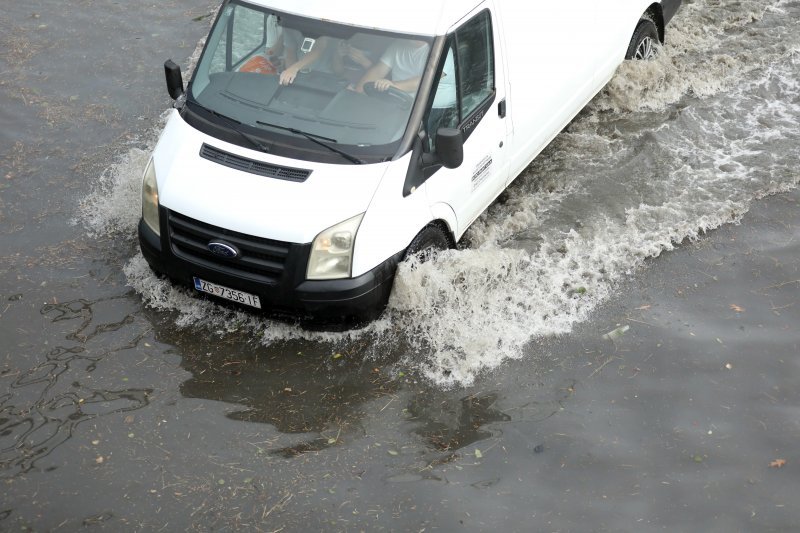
column 378, row 71
column 408, row 86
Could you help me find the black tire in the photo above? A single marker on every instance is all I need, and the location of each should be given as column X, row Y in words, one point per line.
column 428, row 242
column 645, row 41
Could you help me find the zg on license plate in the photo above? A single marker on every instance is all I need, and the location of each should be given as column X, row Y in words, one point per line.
column 229, row 294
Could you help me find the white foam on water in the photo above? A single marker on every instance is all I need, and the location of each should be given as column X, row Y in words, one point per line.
column 114, row 204
column 705, row 55
column 697, row 136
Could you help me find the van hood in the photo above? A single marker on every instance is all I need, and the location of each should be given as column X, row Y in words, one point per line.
column 253, row 204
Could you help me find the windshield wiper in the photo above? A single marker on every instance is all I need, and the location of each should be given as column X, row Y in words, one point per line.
column 235, row 126
column 316, row 139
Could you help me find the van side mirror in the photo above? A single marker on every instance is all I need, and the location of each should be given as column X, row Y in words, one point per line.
column 450, row 147
column 174, row 79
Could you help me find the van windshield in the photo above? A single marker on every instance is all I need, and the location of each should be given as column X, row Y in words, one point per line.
column 286, row 78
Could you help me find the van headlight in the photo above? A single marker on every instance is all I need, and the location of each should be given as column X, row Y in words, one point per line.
column 332, row 251
column 150, row 198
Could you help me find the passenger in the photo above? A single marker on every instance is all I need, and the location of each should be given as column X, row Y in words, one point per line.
column 285, row 49
column 358, row 54
column 269, row 62
column 332, row 55
column 404, row 62
column 317, row 58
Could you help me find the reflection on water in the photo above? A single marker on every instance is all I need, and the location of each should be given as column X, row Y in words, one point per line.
column 319, row 400
column 452, row 425
column 44, row 404
column 314, row 396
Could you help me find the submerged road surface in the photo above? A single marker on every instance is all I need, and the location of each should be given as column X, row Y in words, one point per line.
column 615, row 347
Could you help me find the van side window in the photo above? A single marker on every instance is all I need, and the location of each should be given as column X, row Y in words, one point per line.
column 467, row 76
column 248, row 28
column 444, row 110
column 250, row 34
column 474, row 44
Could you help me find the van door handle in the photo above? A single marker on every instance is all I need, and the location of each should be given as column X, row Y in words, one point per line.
column 501, row 108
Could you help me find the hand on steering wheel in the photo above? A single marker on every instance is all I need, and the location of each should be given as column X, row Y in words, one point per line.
column 383, row 85
column 389, row 93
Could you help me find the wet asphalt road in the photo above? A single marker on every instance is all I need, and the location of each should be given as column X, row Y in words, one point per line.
column 112, row 417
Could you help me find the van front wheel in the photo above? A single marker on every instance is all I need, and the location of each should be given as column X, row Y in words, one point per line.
column 644, row 43
column 428, row 242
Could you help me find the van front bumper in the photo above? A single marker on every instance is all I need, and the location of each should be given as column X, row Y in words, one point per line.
column 289, row 294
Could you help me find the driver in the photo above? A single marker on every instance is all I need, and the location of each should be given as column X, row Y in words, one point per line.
column 404, row 62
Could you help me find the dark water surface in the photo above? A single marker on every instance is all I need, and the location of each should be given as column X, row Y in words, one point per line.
column 488, row 396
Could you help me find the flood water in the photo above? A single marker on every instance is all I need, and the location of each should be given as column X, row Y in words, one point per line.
column 614, row 347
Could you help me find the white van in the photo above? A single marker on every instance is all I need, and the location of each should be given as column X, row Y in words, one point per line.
column 319, row 143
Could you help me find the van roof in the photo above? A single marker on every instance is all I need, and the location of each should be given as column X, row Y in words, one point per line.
column 421, row 17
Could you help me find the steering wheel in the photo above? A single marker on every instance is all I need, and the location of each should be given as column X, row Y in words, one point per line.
column 392, row 94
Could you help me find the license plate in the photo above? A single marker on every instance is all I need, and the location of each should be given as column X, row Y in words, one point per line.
column 229, row 294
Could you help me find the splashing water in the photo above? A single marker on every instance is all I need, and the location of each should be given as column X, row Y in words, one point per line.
column 670, row 149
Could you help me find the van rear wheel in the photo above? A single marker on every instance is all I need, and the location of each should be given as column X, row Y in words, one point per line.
column 644, row 43
column 428, row 242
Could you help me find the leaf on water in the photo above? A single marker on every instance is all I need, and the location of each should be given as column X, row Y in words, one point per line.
column 478, row 453
column 337, row 355
column 220, row 482
column 581, row 290
column 616, row 333
column 248, row 480
column 644, row 307
column 737, row 308
column 777, row 463
column 99, row 460
column 332, row 440
column 394, row 452
column 698, row 458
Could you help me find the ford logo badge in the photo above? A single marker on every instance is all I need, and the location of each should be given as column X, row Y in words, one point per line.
column 223, row 250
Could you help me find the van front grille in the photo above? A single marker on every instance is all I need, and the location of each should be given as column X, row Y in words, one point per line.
column 252, row 166
column 259, row 259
